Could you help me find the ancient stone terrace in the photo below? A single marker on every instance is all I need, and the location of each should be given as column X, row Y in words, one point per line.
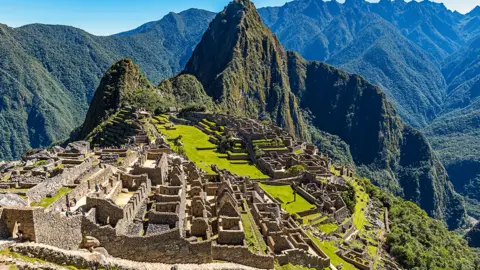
column 144, row 202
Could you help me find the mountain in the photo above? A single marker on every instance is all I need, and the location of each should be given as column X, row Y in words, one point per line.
column 117, row 89
column 249, row 73
column 373, row 40
column 246, row 73
column 455, row 135
column 48, row 73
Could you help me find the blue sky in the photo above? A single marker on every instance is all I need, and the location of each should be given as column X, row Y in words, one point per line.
column 105, row 17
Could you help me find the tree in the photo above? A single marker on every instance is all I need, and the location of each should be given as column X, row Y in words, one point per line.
column 296, row 170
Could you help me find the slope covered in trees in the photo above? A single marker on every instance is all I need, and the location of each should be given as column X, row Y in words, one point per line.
column 49, row 73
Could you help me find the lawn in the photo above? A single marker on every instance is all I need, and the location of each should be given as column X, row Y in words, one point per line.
column 285, row 194
column 45, row 202
column 328, row 228
column 330, row 250
column 193, row 137
column 359, row 219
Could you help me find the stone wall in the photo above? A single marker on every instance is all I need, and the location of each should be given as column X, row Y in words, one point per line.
column 166, row 247
column 57, row 230
column 241, row 255
column 52, row 185
column 106, row 210
column 341, row 214
column 306, row 195
column 163, row 218
column 156, row 175
column 15, row 219
column 302, row 257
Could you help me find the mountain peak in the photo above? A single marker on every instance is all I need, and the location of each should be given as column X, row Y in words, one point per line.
column 474, row 12
column 355, row 3
column 117, row 88
column 242, row 66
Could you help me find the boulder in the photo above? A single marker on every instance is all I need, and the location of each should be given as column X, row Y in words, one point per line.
column 90, row 242
column 10, row 165
column 124, row 190
column 30, row 162
column 177, row 161
column 58, row 149
column 10, row 199
column 80, row 147
column 39, row 154
column 102, row 251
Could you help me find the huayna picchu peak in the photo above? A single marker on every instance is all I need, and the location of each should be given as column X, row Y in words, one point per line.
column 243, row 67
column 250, row 157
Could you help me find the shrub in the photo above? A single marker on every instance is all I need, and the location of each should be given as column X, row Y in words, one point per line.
column 296, row 170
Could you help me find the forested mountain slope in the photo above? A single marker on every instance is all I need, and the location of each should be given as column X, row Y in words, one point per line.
column 49, row 73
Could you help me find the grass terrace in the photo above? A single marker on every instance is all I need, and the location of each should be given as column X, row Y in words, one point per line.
column 328, row 228
column 193, row 138
column 45, row 202
column 330, row 249
column 253, row 237
column 285, row 195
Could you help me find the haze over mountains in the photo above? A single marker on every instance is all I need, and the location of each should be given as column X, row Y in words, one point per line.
column 423, row 56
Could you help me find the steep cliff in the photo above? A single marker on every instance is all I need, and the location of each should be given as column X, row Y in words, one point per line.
column 394, row 155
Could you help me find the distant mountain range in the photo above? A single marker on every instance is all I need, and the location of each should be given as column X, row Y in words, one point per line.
column 423, row 56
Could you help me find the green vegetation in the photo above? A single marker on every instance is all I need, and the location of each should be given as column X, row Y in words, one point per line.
column 8, row 253
column 328, row 228
column 296, row 170
column 330, row 250
column 359, row 219
column 253, row 236
column 418, row 241
column 192, row 138
column 40, row 163
column 350, row 198
column 45, row 202
column 64, row 81
column 285, row 195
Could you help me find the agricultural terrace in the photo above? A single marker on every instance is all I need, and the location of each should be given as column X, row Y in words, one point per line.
column 194, row 139
column 284, row 194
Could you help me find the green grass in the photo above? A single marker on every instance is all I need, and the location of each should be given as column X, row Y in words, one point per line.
column 193, row 137
column 328, row 228
column 359, row 217
column 8, row 253
column 330, row 250
column 45, row 202
column 253, row 237
column 310, row 217
column 285, row 194
column 237, row 154
column 298, row 152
